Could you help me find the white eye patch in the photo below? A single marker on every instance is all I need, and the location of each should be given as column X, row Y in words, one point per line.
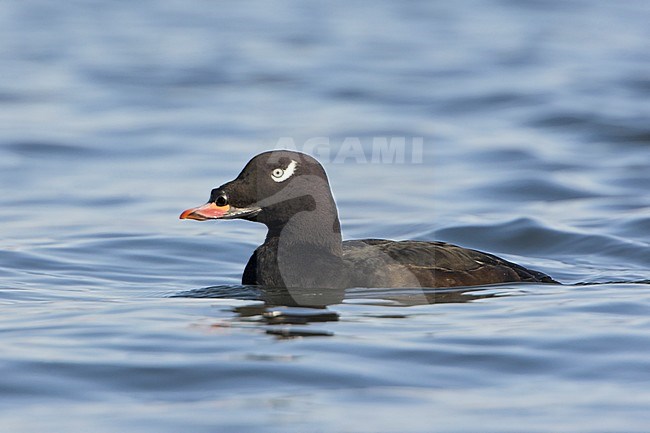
column 280, row 175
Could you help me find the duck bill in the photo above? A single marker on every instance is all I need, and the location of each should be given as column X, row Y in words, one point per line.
column 210, row 211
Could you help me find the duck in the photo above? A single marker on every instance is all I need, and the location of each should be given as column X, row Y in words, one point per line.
column 289, row 192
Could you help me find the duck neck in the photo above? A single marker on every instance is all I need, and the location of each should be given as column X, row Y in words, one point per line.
column 318, row 228
column 306, row 252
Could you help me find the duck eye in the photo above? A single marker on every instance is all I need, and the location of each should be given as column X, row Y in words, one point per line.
column 280, row 175
column 221, row 201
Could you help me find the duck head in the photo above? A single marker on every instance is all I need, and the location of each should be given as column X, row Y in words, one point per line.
column 271, row 189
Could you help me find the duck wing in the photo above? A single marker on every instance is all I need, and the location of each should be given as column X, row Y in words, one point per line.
column 385, row 263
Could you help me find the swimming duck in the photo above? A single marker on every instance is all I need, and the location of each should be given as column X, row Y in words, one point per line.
column 289, row 192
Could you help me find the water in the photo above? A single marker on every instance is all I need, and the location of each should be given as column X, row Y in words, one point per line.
column 116, row 116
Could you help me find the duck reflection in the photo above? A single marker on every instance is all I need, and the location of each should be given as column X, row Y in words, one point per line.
column 286, row 312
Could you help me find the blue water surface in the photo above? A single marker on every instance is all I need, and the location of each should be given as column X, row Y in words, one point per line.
column 534, row 125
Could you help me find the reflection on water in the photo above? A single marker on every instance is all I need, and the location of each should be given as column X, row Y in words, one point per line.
column 285, row 313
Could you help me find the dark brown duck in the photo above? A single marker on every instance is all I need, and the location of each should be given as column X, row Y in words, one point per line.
column 290, row 194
